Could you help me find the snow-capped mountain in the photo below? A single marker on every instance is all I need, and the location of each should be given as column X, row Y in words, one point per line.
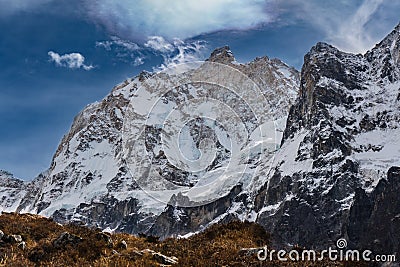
column 96, row 174
column 312, row 159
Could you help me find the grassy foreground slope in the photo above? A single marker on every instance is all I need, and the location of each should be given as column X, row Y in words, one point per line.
column 32, row 240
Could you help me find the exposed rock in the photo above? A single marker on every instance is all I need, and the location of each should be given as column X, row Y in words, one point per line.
column 249, row 251
column 180, row 220
column 105, row 237
column 66, row 239
column 13, row 239
column 122, row 245
column 160, row 257
column 222, row 55
column 22, row 245
column 165, row 259
column 377, row 214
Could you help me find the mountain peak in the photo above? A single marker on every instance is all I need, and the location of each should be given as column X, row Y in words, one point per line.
column 6, row 173
column 385, row 56
column 322, row 47
column 391, row 41
column 222, row 55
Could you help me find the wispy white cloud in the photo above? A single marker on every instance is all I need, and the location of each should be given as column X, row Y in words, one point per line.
column 173, row 53
column 178, row 18
column 352, row 34
column 180, row 53
column 117, row 42
column 345, row 24
column 138, row 61
column 125, row 50
column 72, row 60
column 158, row 43
column 9, row 7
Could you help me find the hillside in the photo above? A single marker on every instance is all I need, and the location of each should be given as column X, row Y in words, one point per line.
column 47, row 243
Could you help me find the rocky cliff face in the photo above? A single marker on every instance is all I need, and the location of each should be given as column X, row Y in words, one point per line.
column 330, row 171
column 339, row 151
column 378, row 214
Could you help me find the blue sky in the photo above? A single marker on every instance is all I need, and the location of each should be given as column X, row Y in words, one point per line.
column 58, row 56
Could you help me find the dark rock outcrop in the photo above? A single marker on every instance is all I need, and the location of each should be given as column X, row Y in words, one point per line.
column 178, row 220
column 374, row 219
column 66, row 239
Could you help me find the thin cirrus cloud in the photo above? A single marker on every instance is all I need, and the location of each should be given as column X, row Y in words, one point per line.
column 117, row 42
column 72, row 60
column 352, row 34
column 158, row 43
column 352, row 26
column 9, row 7
column 178, row 18
column 125, row 50
column 175, row 52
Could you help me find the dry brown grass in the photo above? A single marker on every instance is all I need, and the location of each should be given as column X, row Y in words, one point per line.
column 219, row 245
